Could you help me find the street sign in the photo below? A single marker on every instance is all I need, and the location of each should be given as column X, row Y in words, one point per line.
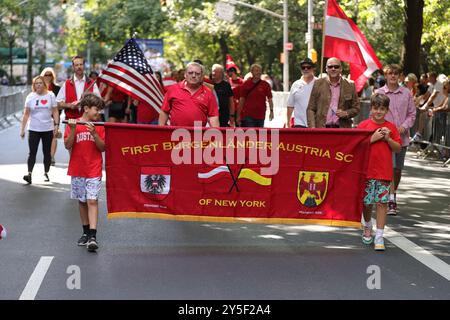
column 289, row 46
column 224, row 11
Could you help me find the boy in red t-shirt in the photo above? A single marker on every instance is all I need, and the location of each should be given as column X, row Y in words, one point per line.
column 86, row 144
column 384, row 141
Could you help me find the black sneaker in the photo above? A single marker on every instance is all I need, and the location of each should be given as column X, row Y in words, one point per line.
column 92, row 244
column 47, row 179
column 83, row 240
column 27, row 178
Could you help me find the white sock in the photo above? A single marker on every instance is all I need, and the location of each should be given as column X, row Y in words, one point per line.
column 392, row 197
column 379, row 233
column 368, row 224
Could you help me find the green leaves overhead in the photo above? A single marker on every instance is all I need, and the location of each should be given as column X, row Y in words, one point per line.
column 191, row 29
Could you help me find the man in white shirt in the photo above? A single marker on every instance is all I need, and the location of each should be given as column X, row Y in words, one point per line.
column 73, row 89
column 436, row 96
column 299, row 96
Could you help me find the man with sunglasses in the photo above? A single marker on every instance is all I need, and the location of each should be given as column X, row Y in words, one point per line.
column 299, row 95
column 334, row 100
column 189, row 101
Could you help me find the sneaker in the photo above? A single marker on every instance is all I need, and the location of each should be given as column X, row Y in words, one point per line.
column 92, row 244
column 379, row 244
column 417, row 137
column 27, row 178
column 367, row 237
column 47, row 179
column 392, row 208
column 83, row 240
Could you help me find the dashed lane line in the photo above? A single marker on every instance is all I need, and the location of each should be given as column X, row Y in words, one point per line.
column 34, row 283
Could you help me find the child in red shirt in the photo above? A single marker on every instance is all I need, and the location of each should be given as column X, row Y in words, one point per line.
column 384, row 141
column 86, row 144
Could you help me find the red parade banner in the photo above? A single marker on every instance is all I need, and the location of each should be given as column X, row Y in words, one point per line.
column 312, row 176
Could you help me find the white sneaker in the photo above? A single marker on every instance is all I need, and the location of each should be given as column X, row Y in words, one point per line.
column 367, row 237
column 417, row 137
column 379, row 244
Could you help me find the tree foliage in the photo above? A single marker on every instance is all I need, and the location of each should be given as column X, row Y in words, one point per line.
column 436, row 35
column 19, row 20
column 191, row 30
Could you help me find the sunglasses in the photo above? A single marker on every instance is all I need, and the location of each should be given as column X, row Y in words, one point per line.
column 334, row 66
column 306, row 67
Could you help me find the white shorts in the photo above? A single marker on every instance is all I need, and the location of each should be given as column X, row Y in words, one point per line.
column 83, row 189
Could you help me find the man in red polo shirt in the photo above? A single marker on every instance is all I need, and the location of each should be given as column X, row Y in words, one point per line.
column 254, row 94
column 189, row 101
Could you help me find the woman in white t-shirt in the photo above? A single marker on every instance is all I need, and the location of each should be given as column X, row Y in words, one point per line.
column 40, row 106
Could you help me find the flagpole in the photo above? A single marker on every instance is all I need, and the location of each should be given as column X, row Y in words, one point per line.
column 323, row 36
column 85, row 122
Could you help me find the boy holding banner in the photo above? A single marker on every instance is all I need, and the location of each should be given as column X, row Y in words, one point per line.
column 385, row 140
column 86, row 144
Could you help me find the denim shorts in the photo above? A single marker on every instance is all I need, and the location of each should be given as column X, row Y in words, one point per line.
column 376, row 191
column 83, row 189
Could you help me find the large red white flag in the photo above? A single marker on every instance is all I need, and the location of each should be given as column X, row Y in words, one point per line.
column 346, row 42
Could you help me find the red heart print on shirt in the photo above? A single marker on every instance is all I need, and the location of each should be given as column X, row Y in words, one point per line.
column 44, row 102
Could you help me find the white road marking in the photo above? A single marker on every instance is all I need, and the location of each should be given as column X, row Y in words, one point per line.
column 417, row 252
column 35, row 281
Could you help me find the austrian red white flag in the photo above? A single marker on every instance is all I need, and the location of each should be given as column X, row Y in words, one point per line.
column 346, row 42
column 229, row 63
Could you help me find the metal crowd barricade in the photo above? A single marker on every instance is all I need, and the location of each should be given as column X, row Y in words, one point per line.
column 447, row 138
column 438, row 140
column 363, row 112
column 11, row 102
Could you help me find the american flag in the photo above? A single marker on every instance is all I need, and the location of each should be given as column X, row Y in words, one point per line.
column 130, row 73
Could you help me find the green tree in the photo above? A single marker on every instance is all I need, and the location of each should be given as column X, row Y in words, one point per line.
column 192, row 31
column 104, row 26
column 436, row 35
column 11, row 29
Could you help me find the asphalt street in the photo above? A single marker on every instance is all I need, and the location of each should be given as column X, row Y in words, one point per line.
column 174, row 260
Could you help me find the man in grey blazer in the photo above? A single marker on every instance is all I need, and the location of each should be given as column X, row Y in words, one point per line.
column 334, row 100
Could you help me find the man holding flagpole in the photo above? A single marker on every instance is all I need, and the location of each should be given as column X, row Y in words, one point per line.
column 334, row 100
